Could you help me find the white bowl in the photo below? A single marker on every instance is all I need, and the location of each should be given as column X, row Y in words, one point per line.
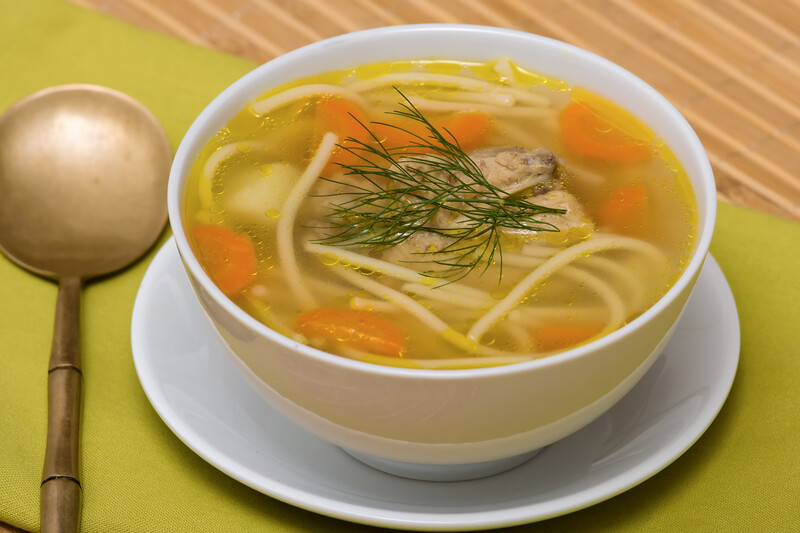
column 446, row 424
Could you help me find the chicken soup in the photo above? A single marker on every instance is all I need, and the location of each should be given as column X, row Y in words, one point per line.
column 439, row 214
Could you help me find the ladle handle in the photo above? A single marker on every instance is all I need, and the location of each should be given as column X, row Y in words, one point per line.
column 61, row 487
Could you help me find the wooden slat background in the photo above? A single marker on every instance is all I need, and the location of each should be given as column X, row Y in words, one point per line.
column 732, row 67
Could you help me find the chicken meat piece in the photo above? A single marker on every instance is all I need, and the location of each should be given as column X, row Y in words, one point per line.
column 509, row 169
column 513, row 169
column 416, row 247
column 575, row 223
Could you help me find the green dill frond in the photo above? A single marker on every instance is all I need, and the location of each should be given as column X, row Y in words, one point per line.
column 396, row 200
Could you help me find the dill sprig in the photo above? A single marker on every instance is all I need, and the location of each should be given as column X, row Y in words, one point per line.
column 406, row 189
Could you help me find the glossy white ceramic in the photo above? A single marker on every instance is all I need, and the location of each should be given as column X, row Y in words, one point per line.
column 455, row 417
column 194, row 387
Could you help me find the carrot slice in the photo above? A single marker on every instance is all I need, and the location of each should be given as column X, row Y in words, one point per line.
column 626, row 210
column 228, row 257
column 587, row 134
column 361, row 330
column 551, row 337
column 400, row 133
column 346, row 120
column 341, row 117
column 469, row 129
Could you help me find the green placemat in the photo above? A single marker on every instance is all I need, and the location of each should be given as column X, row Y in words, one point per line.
column 742, row 475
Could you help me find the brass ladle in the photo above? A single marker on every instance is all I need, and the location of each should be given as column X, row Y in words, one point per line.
column 83, row 174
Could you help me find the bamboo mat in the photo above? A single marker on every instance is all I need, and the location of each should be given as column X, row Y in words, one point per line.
column 732, row 67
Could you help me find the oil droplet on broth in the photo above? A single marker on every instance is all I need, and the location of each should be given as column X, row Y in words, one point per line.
column 557, row 238
column 498, row 292
column 328, row 259
column 273, row 213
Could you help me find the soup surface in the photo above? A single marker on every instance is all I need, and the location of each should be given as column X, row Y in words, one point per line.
column 439, row 214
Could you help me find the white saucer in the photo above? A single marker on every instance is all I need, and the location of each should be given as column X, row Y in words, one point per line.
column 201, row 397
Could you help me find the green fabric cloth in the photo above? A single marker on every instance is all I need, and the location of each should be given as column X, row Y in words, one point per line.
column 742, row 475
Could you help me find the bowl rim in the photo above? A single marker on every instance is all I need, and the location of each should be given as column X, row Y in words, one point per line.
column 193, row 140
